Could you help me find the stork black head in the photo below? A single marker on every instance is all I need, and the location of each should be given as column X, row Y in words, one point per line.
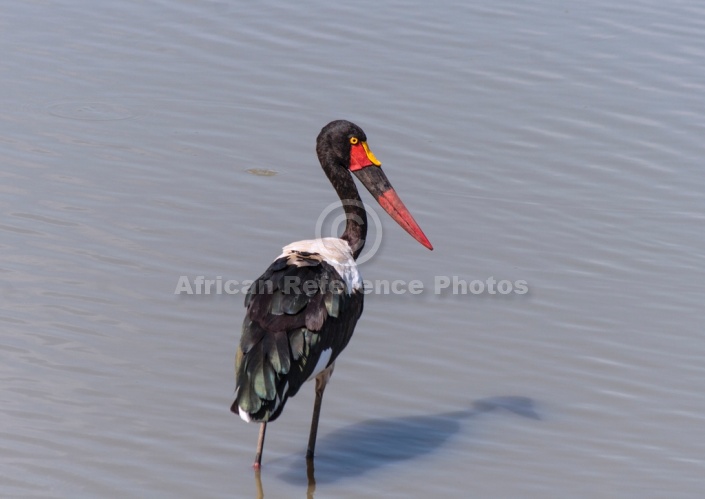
column 338, row 143
column 342, row 148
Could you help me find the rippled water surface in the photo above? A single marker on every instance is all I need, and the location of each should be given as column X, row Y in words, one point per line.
column 556, row 143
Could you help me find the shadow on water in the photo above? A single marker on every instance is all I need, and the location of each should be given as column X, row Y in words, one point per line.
column 363, row 447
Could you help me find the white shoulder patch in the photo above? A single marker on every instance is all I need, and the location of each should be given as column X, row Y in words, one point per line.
column 336, row 253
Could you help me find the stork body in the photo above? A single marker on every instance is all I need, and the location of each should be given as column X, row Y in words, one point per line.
column 301, row 313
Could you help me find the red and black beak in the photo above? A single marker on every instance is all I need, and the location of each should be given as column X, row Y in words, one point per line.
column 367, row 169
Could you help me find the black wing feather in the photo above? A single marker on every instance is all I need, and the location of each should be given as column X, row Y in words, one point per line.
column 286, row 328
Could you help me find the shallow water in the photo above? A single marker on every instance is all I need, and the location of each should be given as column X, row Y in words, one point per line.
column 558, row 145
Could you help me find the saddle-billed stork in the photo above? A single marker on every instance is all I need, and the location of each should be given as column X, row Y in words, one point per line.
column 302, row 311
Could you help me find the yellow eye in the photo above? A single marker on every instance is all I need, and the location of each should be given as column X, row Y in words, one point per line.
column 353, row 140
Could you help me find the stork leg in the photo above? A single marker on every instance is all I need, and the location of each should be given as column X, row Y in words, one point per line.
column 321, row 382
column 260, row 445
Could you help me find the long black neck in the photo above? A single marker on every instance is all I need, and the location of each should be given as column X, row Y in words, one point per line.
column 355, row 231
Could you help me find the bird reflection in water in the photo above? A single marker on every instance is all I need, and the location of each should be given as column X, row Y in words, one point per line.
column 369, row 445
column 310, row 489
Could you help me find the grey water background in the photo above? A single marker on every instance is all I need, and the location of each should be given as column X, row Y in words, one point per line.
column 560, row 143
